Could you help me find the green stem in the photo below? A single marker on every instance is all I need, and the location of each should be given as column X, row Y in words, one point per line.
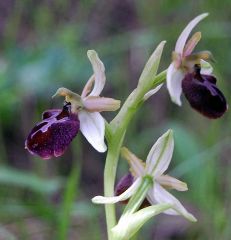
column 109, row 179
column 137, row 199
column 115, row 135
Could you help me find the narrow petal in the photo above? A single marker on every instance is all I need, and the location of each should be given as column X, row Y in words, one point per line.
column 171, row 183
column 92, row 126
column 99, row 72
column 180, row 44
column 88, row 87
column 174, row 79
column 162, row 196
column 152, row 92
column 160, row 155
column 99, row 104
column 124, row 196
column 191, row 44
column 206, row 67
column 137, row 165
column 129, row 224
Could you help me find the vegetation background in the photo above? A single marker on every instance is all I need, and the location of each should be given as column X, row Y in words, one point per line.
column 43, row 46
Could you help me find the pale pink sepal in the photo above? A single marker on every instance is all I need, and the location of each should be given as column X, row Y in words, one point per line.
column 180, row 44
column 99, row 104
column 99, row 73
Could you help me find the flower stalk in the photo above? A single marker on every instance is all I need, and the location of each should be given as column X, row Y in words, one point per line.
column 145, row 188
column 118, row 126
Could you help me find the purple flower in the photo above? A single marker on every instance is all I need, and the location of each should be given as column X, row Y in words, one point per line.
column 203, row 95
column 50, row 137
column 198, row 86
column 90, row 104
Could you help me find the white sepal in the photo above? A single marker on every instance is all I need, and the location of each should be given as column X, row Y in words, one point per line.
column 99, row 73
column 124, row 196
column 180, row 44
column 129, row 224
column 163, row 196
column 160, row 155
column 169, row 182
column 206, row 68
column 92, row 126
column 174, row 80
column 152, row 92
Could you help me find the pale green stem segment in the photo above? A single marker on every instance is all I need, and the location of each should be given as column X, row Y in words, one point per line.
column 115, row 132
column 138, row 198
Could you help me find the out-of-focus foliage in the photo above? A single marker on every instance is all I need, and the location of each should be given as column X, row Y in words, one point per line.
column 43, row 47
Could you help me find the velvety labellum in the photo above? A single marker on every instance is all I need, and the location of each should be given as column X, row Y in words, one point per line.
column 50, row 137
column 203, row 95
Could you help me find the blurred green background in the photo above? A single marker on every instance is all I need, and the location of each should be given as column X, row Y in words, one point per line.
column 43, row 46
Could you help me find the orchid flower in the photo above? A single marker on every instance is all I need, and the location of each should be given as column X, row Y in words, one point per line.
column 84, row 112
column 191, row 73
column 156, row 164
column 181, row 54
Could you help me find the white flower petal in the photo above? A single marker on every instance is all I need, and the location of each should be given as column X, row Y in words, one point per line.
column 160, row 155
column 171, row 183
column 206, row 68
column 137, row 166
column 124, row 196
column 152, row 92
column 92, row 126
column 162, row 196
column 180, row 44
column 99, row 72
column 174, row 80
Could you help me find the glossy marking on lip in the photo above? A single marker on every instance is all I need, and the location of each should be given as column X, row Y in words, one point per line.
column 203, row 95
column 50, row 137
